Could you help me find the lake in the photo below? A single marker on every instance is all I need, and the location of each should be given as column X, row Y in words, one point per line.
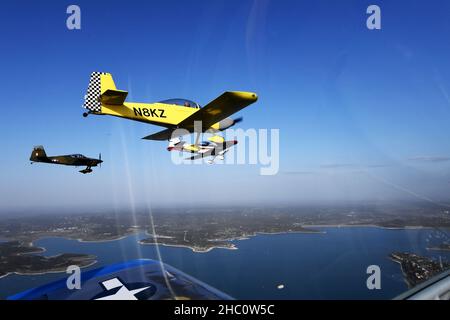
column 329, row 265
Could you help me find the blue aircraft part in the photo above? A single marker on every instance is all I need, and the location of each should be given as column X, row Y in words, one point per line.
column 141, row 279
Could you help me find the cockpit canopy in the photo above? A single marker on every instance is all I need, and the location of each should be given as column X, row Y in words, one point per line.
column 182, row 102
column 78, row 156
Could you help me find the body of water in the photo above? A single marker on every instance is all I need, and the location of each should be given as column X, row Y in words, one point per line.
column 329, row 265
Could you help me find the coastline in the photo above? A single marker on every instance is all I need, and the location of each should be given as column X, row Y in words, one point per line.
column 31, row 243
column 243, row 237
column 287, row 232
column 45, row 272
column 365, row 226
column 5, row 275
column 38, row 250
column 404, row 275
column 438, row 249
column 249, row 236
column 232, row 247
column 194, row 249
column 100, row 241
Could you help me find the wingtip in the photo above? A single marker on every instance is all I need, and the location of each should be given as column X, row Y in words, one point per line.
column 251, row 96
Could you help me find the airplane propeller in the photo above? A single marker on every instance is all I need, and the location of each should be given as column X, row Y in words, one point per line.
column 100, row 158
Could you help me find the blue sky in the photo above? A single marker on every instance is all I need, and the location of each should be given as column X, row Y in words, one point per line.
column 363, row 115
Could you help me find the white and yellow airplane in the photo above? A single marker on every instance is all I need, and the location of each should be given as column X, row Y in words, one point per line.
column 215, row 147
column 103, row 98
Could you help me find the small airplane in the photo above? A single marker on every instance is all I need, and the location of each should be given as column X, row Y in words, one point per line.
column 103, row 98
column 38, row 155
column 216, row 147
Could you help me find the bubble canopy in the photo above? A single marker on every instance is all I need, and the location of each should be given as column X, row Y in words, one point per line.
column 181, row 102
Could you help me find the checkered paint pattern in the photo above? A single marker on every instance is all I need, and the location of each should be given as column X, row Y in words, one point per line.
column 92, row 98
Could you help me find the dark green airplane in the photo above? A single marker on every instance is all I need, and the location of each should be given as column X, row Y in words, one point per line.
column 38, row 155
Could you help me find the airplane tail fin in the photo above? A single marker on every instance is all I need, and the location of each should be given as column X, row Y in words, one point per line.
column 99, row 83
column 38, row 153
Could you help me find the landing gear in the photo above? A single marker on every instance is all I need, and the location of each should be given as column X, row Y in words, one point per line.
column 197, row 138
column 87, row 170
column 85, row 114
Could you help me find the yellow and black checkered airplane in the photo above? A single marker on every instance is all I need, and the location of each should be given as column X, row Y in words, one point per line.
column 103, row 98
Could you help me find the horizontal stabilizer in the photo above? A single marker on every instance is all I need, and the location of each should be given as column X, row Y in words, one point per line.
column 114, row 97
column 216, row 139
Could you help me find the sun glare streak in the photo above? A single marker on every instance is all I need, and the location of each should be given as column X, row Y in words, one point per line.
column 158, row 253
column 129, row 179
column 153, row 173
column 116, row 182
column 129, row 183
column 404, row 189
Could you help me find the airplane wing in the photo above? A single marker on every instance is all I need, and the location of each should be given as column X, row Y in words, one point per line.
column 200, row 156
column 218, row 109
column 141, row 279
column 161, row 135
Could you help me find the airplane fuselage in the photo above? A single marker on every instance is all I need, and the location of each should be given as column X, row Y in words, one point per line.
column 68, row 160
column 161, row 114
